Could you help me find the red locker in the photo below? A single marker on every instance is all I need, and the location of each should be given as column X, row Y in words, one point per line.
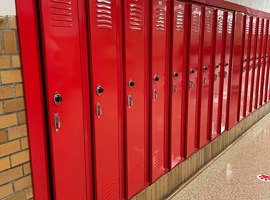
column 218, row 69
column 179, row 31
column 257, row 65
column 192, row 82
column 104, row 87
column 263, row 62
column 236, row 69
column 159, row 85
column 251, row 65
column 63, row 77
column 136, row 81
column 227, row 70
column 266, row 79
column 245, row 69
column 206, row 76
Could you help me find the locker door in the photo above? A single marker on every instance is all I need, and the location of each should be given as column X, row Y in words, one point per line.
column 266, row 79
column 217, row 76
column 206, row 76
column 257, row 65
column 136, row 83
column 263, row 63
column 178, row 81
column 251, row 65
column 192, row 83
column 227, row 70
column 245, row 70
column 159, row 79
column 105, row 113
column 63, row 71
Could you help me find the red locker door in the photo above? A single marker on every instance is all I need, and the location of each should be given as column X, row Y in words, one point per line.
column 251, row 65
column 103, row 43
column 227, row 70
column 63, row 76
column 178, row 81
column 263, row 58
column 217, row 76
column 136, row 83
column 266, row 79
column 257, row 64
column 245, row 70
column 236, row 69
column 192, row 82
column 205, row 72
column 159, row 79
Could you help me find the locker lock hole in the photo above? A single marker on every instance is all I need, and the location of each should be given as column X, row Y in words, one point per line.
column 175, row 74
column 204, row 68
column 100, row 90
column 192, row 71
column 57, row 98
column 131, row 84
column 217, row 66
column 156, row 78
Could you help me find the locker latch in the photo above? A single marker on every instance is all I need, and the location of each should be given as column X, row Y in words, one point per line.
column 250, row 67
column 256, row 66
column 57, row 98
column 225, row 74
column 154, row 94
column 244, row 69
column 56, row 122
column 216, row 76
column 99, row 90
column 99, row 111
column 130, row 101
column 174, row 89
column 203, row 80
column 190, row 84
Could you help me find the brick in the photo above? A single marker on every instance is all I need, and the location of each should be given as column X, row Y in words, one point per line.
column 8, row 120
column 14, row 105
column 6, row 190
column 9, row 148
column 29, row 193
column 10, row 42
column 23, row 183
column 27, row 168
column 10, row 175
column 17, row 132
column 4, row 62
column 19, row 196
column 12, row 22
column 3, row 136
column 0, row 49
column 4, row 164
column 20, row 158
column 24, row 143
column 2, row 23
column 16, row 61
column 22, row 117
column 19, row 90
column 6, row 92
column 1, row 108
column 11, row 76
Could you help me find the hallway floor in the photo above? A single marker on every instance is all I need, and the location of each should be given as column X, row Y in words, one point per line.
column 234, row 174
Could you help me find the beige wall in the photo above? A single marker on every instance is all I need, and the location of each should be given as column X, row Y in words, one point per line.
column 263, row 5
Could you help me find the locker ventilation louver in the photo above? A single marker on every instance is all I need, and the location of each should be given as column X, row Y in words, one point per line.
column 136, row 174
column 220, row 24
column 104, row 14
column 135, row 17
column 160, row 19
column 260, row 28
column 254, row 26
column 230, row 23
column 209, row 22
column 196, row 22
column 158, row 160
column 247, row 25
column 108, row 190
column 179, row 24
column 61, row 13
column 264, row 29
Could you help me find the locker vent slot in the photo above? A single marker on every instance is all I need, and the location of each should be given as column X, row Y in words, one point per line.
column 220, row 24
column 108, row 190
column 135, row 17
column 136, row 174
column 209, row 22
column 254, row 26
column 264, row 28
column 196, row 23
column 61, row 13
column 230, row 23
column 260, row 28
column 179, row 23
column 158, row 160
column 176, row 149
column 160, row 19
column 247, row 25
column 104, row 14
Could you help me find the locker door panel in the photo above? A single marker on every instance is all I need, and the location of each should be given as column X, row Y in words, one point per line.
column 192, row 82
column 227, row 70
column 105, row 113
column 217, row 76
column 159, row 75
column 135, row 94
column 245, row 70
column 266, row 79
column 206, row 76
column 178, row 81
column 63, row 67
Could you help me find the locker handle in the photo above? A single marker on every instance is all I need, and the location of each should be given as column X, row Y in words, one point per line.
column 190, row 84
column 174, row 89
column 244, row 69
column 130, row 101
column 155, row 94
column 56, row 122
column 250, row 67
column 99, row 111
column 100, row 90
column 204, row 80
column 57, row 98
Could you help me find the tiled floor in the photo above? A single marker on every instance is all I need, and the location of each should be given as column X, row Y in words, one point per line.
column 234, row 174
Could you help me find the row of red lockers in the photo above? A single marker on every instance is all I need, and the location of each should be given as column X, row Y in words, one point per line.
column 208, row 70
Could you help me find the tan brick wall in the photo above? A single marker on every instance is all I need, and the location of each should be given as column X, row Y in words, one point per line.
column 15, row 170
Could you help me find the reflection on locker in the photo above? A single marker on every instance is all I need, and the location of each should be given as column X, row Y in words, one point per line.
column 136, row 95
column 178, row 81
column 218, row 70
column 206, row 76
column 192, row 82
